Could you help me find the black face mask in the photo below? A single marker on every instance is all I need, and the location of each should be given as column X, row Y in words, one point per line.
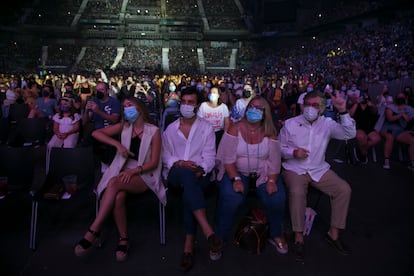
column 45, row 93
column 100, row 95
column 247, row 93
column 400, row 101
column 222, row 89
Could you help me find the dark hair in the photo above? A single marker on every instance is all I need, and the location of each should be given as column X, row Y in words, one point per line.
column 316, row 94
column 142, row 109
column 192, row 91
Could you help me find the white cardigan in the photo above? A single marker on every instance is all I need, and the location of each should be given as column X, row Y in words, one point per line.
column 151, row 178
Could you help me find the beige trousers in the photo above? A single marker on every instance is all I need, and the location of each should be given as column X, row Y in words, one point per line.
column 330, row 183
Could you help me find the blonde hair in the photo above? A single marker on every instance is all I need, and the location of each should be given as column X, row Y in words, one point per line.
column 267, row 121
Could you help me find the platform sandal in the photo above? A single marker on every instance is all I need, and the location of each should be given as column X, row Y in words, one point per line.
column 84, row 246
column 121, row 252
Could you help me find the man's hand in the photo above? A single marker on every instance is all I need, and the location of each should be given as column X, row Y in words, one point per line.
column 300, row 153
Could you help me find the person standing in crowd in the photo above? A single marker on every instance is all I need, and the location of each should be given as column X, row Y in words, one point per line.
column 103, row 111
column 189, row 157
column 250, row 161
column 216, row 113
column 304, row 140
column 398, row 127
column 135, row 169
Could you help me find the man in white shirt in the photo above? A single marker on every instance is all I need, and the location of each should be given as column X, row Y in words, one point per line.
column 189, row 154
column 304, row 140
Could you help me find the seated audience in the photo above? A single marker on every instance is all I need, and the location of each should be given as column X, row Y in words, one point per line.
column 135, row 169
column 304, row 140
column 398, row 128
column 365, row 114
column 189, row 157
column 250, row 161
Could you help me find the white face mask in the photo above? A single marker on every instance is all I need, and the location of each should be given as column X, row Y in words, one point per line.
column 213, row 97
column 310, row 113
column 187, row 111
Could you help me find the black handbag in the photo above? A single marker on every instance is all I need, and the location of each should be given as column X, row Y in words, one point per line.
column 252, row 231
column 53, row 188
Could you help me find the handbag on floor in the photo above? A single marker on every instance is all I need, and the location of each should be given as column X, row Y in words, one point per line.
column 252, row 231
column 53, row 188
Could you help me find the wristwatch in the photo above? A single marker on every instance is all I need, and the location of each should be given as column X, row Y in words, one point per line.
column 236, row 178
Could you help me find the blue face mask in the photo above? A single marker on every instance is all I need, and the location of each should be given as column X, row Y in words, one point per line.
column 64, row 108
column 131, row 114
column 254, row 115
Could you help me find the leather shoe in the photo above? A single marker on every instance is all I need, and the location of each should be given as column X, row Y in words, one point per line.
column 299, row 250
column 338, row 245
column 187, row 261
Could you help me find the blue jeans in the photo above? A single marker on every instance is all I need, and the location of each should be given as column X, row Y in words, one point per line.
column 193, row 194
column 229, row 201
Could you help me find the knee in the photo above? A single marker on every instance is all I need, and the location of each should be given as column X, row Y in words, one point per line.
column 120, row 198
column 360, row 136
column 297, row 193
column 112, row 184
column 345, row 189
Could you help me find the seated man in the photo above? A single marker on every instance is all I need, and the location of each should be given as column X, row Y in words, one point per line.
column 304, row 140
column 189, row 154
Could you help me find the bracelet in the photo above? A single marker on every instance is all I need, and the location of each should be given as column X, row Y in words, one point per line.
column 236, row 178
column 271, row 180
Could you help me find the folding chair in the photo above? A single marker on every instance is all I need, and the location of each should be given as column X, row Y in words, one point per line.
column 63, row 162
column 17, row 164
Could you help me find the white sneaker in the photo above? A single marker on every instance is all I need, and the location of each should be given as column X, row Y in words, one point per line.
column 386, row 164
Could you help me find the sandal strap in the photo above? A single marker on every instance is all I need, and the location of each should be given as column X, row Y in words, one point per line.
column 84, row 243
column 122, row 248
column 95, row 233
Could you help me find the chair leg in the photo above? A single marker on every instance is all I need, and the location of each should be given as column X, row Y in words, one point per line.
column 33, row 225
column 374, row 154
column 162, row 223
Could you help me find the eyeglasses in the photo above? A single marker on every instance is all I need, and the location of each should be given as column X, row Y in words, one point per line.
column 315, row 105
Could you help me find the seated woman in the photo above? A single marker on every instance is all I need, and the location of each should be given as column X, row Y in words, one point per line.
column 396, row 128
column 216, row 113
column 365, row 114
column 65, row 128
column 135, row 169
column 250, row 157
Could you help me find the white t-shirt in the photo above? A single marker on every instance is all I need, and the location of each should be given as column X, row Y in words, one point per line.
column 215, row 115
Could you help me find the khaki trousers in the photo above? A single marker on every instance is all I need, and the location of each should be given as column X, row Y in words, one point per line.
column 330, row 183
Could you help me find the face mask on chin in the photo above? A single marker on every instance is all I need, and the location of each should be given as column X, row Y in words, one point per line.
column 310, row 113
column 187, row 111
